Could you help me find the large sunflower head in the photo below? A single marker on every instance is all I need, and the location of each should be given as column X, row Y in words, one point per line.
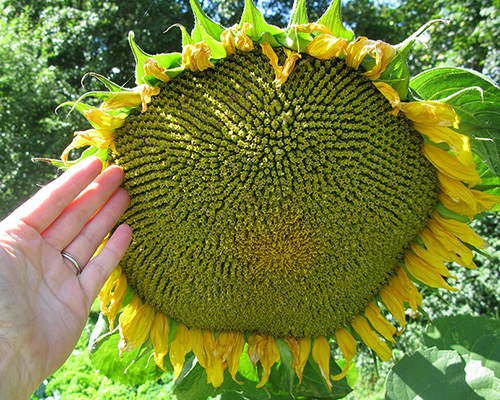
column 288, row 192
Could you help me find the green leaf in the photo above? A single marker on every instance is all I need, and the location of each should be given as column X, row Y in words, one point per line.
column 475, row 98
column 432, row 374
column 477, row 336
column 332, row 19
column 132, row 369
column 259, row 25
column 203, row 23
column 140, row 58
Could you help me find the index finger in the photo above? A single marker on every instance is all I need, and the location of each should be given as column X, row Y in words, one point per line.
column 49, row 202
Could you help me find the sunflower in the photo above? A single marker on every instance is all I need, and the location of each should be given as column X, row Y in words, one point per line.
column 288, row 192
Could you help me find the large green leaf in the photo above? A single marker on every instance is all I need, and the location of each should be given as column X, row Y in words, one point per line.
column 434, row 374
column 475, row 98
column 477, row 336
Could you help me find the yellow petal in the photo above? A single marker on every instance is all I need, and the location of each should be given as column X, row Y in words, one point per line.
column 91, row 137
column 152, row 68
column 347, row 345
column 268, row 51
column 381, row 325
column 198, row 349
column 135, row 325
column 244, row 43
column 425, row 273
column 431, row 113
column 103, row 120
column 391, row 95
column 405, row 290
column 458, row 207
column 112, row 294
column 121, row 100
column 300, row 349
column 432, row 259
column 459, row 144
column 264, row 349
column 146, row 93
column 180, row 346
column 450, row 165
column 380, row 51
column 457, row 191
column 312, row 27
column 371, row 339
column 228, row 40
column 233, row 358
column 461, row 230
column 215, row 365
column 159, row 337
column 325, row 46
column 321, row 354
column 196, row 56
column 485, row 201
column 394, row 304
column 460, row 253
column 287, row 69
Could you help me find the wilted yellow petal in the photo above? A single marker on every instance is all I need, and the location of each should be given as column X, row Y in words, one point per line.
column 425, row 273
column 390, row 94
column 485, row 201
column 159, row 337
column 300, row 349
column 312, row 27
column 461, row 230
column 371, row 339
column 135, row 325
column 394, row 304
column 432, row 259
column 244, row 43
column 268, row 51
column 380, row 51
column 431, row 113
column 321, row 354
column 196, row 56
column 90, row 137
column 146, row 93
column 233, row 358
column 405, row 290
column 180, row 346
column 450, row 165
column 112, row 294
column 457, row 191
column 121, row 100
column 228, row 40
column 347, row 345
column 381, row 325
column 152, row 68
column 460, row 253
column 264, row 349
column 104, row 120
column 197, row 344
column 215, row 365
column 325, row 46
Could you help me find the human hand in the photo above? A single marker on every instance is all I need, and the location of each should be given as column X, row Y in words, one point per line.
column 44, row 305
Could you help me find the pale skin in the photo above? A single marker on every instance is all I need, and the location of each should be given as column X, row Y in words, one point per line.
column 44, row 305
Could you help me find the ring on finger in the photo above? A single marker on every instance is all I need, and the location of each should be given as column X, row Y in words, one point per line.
column 74, row 261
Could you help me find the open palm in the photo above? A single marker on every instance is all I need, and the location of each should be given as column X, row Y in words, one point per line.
column 43, row 303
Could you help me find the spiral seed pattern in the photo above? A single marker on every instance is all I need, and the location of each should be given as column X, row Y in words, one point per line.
column 280, row 210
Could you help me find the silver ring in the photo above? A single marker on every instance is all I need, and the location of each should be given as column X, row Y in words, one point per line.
column 74, row 261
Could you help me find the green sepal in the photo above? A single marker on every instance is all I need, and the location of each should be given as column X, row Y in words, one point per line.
column 173, row 64
column 140, row 58
column 186, row 37
column 448, row 214
column 332, row 19
column 216, row 48
column 102, row 154
column 112, row 87
column 259, row 25
column 173, row 325
column 100, row 334
column 352, row 375
column 477, row 250
column 272, row 40
column 203, row 23
column 397, row 73
column 299, row 14
column 129, row 295
column 476, row 99
column 297, row 41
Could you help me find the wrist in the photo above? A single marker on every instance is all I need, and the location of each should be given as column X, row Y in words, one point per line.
column 15, row 380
